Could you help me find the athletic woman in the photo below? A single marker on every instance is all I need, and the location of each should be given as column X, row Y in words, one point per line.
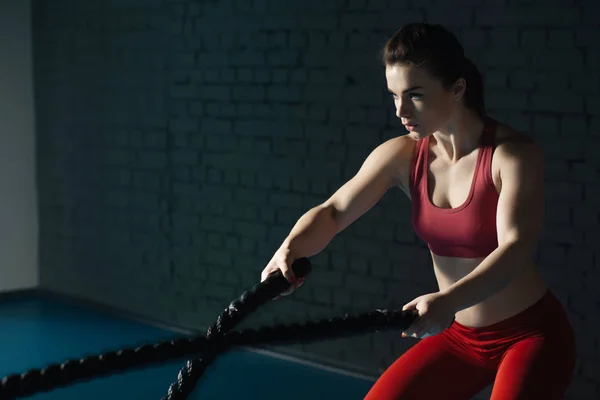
column 477, row 192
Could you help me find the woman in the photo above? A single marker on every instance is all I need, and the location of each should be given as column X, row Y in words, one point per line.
column 476, row 187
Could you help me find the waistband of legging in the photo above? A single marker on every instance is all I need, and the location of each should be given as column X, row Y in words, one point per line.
column 547, row 306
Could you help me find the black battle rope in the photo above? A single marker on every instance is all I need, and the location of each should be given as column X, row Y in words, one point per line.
column 59, row 375
column 192, row 371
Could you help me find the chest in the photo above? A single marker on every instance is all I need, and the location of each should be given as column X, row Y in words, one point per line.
column 449, row 185
column 454, row 210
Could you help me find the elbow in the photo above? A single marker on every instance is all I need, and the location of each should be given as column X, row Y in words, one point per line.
column 515, row 255
column 520, row 249
column 333, row 215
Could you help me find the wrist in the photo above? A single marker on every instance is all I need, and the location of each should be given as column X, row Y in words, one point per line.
column 287, row 248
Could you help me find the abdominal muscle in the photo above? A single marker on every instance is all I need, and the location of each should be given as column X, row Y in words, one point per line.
column 522, row 292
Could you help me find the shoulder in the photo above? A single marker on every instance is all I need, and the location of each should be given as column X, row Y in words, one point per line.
column 394, row 151
column 513, row 146
column 394, row 156
column 400, row 146
column 516, row 153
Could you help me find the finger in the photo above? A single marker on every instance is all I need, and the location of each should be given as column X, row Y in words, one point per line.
column 415, row 327
column 410, row 330
column 267, row 272
column 423, row 330
column 418, row 333
column 410, row 305
column 287, row 273
column 421, row 335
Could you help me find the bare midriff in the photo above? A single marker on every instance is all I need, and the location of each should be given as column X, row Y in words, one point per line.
column 523, row 291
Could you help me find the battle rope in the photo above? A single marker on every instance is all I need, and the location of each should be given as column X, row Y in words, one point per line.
column 59, row 375
column 233, row 315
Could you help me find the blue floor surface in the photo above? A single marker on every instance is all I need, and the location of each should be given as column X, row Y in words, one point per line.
column 36, row 332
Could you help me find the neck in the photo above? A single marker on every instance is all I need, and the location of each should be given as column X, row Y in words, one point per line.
column 460, row 136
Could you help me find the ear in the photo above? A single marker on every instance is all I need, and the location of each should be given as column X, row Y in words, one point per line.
column 459, row 88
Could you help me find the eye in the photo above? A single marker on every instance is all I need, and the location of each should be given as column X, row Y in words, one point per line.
column 415, row 96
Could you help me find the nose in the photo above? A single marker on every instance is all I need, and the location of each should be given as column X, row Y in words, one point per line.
column 402, row 109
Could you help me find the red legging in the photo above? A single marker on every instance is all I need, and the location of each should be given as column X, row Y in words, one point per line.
column 528, row 356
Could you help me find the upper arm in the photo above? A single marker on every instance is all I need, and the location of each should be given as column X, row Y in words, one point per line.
column 379, row 172
column 521, row 201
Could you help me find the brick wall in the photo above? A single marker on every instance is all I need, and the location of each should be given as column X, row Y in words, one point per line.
column 179, row 141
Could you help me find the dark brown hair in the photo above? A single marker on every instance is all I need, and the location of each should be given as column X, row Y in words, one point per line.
column 438, row 51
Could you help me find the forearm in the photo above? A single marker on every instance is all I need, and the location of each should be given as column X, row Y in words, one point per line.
column 492, row 275
column 312, row 232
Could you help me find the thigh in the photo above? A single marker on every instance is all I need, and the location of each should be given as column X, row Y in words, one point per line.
column 536, row 368
column 431, row 369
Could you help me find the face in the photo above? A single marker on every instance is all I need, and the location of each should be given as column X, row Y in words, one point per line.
column 422, row 103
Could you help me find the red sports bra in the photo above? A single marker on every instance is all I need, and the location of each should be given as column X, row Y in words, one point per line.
column 466, row 231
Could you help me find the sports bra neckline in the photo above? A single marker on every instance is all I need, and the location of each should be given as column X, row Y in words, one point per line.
column 483, row 139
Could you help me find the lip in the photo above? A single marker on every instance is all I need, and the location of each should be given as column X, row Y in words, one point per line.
column 410, row 127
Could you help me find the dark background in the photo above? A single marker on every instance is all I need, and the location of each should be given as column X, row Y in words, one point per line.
column 179, row 141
